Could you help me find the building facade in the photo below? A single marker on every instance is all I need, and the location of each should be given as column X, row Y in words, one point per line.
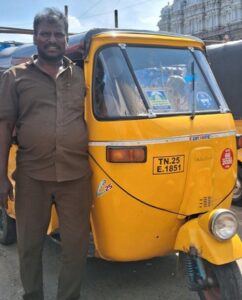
column 207, row 19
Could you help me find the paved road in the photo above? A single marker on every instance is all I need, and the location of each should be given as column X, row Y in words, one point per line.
column 155, row 279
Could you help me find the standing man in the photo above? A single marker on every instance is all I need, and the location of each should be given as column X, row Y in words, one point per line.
column 44, row 101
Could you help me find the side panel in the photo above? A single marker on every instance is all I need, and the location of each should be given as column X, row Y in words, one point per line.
column 124, row 229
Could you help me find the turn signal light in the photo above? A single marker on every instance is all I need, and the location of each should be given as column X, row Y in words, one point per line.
column 239, row 141
column 116, row 154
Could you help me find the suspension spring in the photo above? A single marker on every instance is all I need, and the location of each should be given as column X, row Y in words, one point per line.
column 191, row 271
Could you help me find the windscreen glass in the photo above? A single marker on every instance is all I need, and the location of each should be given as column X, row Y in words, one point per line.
column 152, row 81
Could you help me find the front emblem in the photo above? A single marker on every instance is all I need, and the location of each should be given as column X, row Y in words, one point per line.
column 226, row 159
column 103, row 188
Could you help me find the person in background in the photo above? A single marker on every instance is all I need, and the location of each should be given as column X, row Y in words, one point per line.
column 44, row 100
column 177, row 93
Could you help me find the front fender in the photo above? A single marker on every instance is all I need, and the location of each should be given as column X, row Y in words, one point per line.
column 192, row 234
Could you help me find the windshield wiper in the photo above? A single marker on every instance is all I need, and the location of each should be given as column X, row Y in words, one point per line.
column 191, row 49
column 123, row 50
column 193, row 91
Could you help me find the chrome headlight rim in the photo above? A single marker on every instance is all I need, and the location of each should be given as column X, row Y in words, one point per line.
column 218, row 214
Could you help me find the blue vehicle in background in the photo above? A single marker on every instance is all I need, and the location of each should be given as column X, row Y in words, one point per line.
column 8, row 44
column 15, row 55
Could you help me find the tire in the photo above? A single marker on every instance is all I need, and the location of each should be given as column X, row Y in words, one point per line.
column 237, row 195
column 225, row 282
column 7, row 228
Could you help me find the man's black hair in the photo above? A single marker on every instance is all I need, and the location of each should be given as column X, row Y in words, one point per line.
column 50, row 15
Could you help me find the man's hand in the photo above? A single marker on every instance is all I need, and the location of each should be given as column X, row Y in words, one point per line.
column 6, row 192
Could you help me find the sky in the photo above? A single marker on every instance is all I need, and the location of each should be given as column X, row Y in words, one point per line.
column 83, row 14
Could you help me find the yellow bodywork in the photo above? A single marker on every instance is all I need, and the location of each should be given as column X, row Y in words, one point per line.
column 11, row 169
column 137, row 212
column 214, row 251
column 195, row 234
column 152, row 216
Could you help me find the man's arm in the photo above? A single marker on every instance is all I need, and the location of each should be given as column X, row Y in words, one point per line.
column 6, row 188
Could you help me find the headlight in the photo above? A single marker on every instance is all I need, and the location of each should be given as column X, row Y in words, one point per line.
column 223, row 224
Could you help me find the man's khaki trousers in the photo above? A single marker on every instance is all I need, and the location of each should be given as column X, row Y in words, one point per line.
column 34, row 199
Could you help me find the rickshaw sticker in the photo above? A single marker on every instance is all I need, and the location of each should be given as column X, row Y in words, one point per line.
column 204, row 100
column 168, row 164
column 191, row 78
column 200, row 137
column 158, row 99
column 227, row 158
column 103, row 187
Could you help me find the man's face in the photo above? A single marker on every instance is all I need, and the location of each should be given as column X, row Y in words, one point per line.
column 51, row 41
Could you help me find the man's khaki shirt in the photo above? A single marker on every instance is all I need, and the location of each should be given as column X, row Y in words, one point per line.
column 49, row 118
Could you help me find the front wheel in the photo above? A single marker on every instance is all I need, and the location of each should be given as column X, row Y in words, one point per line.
column 237, row 194
column 7, row 228
column 224, row 282
column 213, row 282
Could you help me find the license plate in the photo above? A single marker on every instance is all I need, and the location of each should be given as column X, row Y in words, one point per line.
column 168, row 164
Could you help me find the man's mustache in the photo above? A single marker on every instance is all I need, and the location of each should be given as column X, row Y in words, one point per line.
column 52, row 45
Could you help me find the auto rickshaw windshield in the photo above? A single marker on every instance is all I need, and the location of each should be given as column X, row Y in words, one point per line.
column 136, row 81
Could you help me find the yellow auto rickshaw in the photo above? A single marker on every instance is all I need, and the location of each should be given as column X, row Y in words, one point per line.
column 162, row 148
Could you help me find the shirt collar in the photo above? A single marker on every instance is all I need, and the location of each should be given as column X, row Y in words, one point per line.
column 66, row 60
